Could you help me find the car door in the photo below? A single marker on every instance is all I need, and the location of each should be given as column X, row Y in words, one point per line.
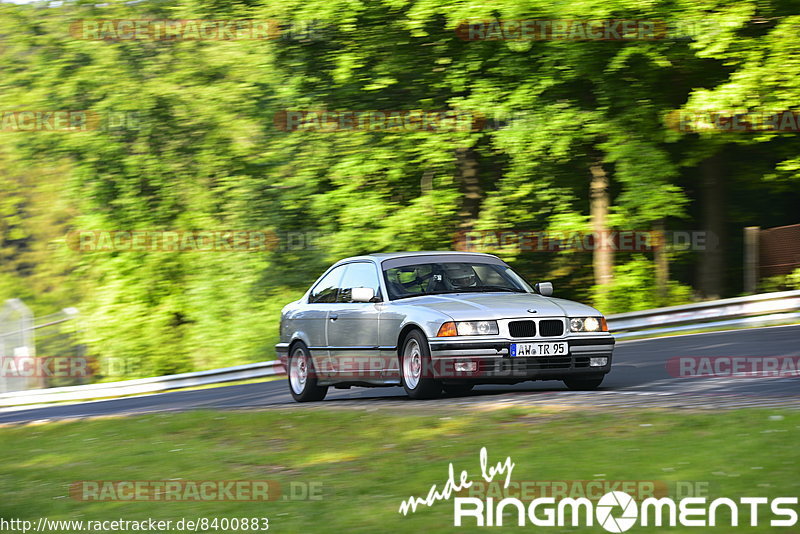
column 353, row 326
column 314, row 316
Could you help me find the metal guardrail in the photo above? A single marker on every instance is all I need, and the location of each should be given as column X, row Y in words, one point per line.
column 740, row 311
column 142, row 385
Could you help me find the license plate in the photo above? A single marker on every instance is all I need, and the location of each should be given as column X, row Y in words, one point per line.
column 560, row 348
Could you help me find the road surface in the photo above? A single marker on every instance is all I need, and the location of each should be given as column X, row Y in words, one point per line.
column 639, row 378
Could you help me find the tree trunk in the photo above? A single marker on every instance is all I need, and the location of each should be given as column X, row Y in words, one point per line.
column 711, row 258
column 602, row 260
column 470, row 187
column 751, row 259
column 662, row 263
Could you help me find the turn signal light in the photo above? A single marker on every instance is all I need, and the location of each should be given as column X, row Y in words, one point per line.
column 447, row 330
column 603, row 324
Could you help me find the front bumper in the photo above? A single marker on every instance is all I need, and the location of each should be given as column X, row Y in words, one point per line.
column 490, row 361
column 282, row 350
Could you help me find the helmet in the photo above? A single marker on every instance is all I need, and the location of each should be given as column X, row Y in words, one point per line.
column 460, row 275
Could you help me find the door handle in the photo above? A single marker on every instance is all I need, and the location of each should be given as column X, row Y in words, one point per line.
column 333, row 317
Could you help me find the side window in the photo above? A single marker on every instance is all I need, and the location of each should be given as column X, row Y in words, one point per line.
column 358, row 275
column 326, row 289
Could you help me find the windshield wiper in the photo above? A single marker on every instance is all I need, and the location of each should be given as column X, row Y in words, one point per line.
column 494, row 288
column 426, row 294
column 480, row 289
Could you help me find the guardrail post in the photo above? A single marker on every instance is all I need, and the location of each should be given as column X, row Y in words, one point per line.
column 16, row 342
column 751, row 253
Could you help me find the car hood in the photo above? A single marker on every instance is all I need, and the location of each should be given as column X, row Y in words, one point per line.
column 476, row 306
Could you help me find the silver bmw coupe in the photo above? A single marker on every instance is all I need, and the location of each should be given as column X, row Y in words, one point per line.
column 434, row 321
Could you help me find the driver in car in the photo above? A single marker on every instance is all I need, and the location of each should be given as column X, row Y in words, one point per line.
column 459, row 276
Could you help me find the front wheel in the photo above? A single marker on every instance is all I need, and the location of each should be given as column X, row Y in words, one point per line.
column 302, row 377
column 416, row 369
column 584, row 384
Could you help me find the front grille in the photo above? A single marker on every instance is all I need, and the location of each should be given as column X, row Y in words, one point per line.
column 550, row 328
column 553, row 362
column 556, row 362
column 522, row 366
column 522, row 328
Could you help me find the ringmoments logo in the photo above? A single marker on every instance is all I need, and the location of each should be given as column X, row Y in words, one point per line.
column 615, row 511
column 606, row 506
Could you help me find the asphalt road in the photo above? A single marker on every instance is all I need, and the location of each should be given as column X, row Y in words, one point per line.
column 639, row 377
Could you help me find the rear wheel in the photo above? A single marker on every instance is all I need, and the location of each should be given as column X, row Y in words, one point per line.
column 458, row 389
column 302, row 376
column 416, row 369
column 584, row 383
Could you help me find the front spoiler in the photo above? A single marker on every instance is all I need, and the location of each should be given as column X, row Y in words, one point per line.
column 493, row 363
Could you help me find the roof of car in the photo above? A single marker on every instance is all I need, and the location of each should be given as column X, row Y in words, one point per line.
column 390, row 255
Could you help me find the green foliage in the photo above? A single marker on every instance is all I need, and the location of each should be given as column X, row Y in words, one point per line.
column 204, row 153
column 781, row 282
column 635, row 289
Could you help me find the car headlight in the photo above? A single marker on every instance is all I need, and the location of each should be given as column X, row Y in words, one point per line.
column 588, row 324
column 468, row 328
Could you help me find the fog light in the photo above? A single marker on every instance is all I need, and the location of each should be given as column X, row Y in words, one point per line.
column 466, row 367
column 597, row 362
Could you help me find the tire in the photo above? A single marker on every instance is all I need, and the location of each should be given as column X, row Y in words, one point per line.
column 302, row 378
column 415, row 368
column 457, row 389
column 584, row 384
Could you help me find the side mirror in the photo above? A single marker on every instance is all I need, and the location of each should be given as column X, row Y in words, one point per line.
column 362, row 294
column 545, row 289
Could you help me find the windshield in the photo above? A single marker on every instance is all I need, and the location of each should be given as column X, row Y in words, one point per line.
column 441, row 278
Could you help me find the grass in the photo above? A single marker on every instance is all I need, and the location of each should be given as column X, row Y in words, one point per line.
column 367, row 461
